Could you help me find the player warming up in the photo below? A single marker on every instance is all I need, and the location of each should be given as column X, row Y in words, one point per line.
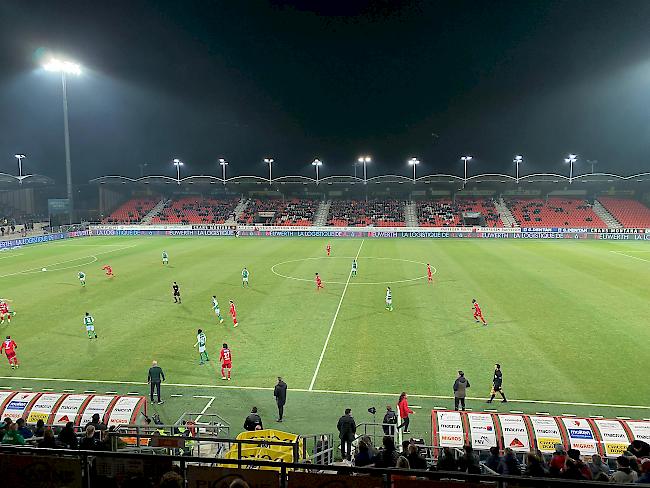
column 176, row 291
column 354, row 267
column 109, row 270
column 233, row 313
column 477, row 312
column 226, row 362
column 200, row 341
column 429, row 274
column 319, row 282
column 89, row 322
column 244, row 277
column 4, row 312
column 165, row 257
column 82, row 278
column 9, row 347
column 217, row 310
column 329, row 249
column 389, row 300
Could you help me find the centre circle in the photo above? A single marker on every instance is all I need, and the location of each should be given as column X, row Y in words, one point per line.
column 351, row 281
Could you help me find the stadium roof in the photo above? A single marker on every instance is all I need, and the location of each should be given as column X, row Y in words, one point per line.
column 8, row 181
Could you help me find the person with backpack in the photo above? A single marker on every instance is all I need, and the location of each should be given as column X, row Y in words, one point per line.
column 390, row 420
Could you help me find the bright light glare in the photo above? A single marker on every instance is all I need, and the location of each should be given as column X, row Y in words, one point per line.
column 518, row 159
column 268, row 160
column 572, row 158
column 223, row 162
column 413, row 161
column 20, row 156
column 466, row 158
column 364, row 159
column 178, row 162
column 317, row 162
column 60, row 66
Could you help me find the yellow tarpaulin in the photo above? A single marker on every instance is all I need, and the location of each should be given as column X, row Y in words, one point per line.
column 265, row 452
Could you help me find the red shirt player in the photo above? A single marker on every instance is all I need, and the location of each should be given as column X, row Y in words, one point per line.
column 477, row 312
column 319, row 282
column 429, row 274
column 233, row 313
column 226, row 362
column 109, row 270
column 9, row 347
column 4, row 312
column 329, row 249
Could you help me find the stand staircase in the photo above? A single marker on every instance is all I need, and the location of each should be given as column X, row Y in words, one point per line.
column 506, row 215
column 605, row 216
column 411, row 214
column 155, row 211
column 323, row 211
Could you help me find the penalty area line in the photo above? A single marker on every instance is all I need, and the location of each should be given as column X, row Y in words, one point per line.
column 305, row 390
column 336, row 314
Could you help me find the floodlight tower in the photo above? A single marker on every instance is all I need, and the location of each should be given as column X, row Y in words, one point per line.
column 269, row 161
column 518, row 160
column 414, row 162
column 364, row 160
column 20, row 158
column 178, row 163
column 223, row 164
column 65, row 67
column 571, row 159
column 465, row 159
column 316, row 164
column 592, row 162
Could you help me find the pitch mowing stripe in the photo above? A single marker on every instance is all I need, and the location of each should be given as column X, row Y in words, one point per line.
column 305, row 390
column 628, row 256
column 336, row 314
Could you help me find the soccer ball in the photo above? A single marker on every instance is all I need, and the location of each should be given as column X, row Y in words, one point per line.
column 44, row 269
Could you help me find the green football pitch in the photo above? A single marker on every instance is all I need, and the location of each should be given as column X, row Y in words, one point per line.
column 567, row 321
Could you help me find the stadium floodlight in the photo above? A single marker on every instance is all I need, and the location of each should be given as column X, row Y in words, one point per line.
column 414, row 162
column 223, row 164
column 518, row 160
column 593, row 163
column 269, row 161
column 570, row 160
column 465, row 159
column 316, row 164
column 20, row 158
column 65, row 67
column 178, row 163
column 364, row 160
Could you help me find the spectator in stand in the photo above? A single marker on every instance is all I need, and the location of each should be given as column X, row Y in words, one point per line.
column 640, row 449
column 405, row 448
column 253, row 421
column 89, row 442
column 535, row 465
column 447, row 461
column 67, row 437
column 363, row 457
column 402, row 463
column 347, row 427
column 494, row 459
column 40, row 428
column 645, row 472
column 371, row 447
column 415, row 459
column 4, row 427
column 584, row 469
column 99, row 426
column 558, row 460
column 387, row 455
column 12, row 436
column 48, row 441
column 597, row 466
column 24, row 430
column 460, row 390
column 509, row 464
column 468, row 462
column 404, row 412
column 172, row 479
column 390, row 418
column 623, row 473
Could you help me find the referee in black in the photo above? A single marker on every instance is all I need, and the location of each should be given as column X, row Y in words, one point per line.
column 497, row 384
column 176, row 292
column 155, row 377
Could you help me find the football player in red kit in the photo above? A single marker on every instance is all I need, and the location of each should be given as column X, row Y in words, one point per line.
column 109, row 270
column 477, row 312
column 4, row 312
column 429, row 274
column 329, row 249
column 9, row 348
column 226, row 362
column 319, row 282
column 233, row 313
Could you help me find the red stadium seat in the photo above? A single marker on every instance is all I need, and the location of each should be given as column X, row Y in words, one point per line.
column 630, row 213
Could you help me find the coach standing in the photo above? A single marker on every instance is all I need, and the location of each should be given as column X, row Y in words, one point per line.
column 347, row 427
column 460, row 390
column 155, row 377
column 280, row 394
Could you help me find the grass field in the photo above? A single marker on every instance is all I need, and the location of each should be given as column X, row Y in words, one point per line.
column 566, row 321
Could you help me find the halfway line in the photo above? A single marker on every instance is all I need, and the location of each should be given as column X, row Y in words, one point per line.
column 322, row 354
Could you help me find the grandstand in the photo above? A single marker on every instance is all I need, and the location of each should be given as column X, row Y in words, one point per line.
column 629, row 213
column 276, row 211
column 554, row 212
column 447, row 213
column 359, row 213
column 131, row 211
column 196, row 210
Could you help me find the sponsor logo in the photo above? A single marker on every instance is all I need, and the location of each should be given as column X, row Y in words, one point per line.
column 583, row 445
column 453, row 438
column 547, row 431
column 614, row 435
column 13, row 405
column 63, row 418
column 517, row 430
column 547, row 444
column 122, row 410
column 615, row 448
column 516, row 443
column 450, row 427
column 581, row 433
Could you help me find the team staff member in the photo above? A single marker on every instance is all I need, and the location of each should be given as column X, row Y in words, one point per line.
column 253, row 421
column 280, row 394
column 155, row 378
column 497, row 384
column 460, row 390
column 347, row 427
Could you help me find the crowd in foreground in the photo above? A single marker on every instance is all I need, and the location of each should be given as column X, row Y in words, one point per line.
column 631, row 467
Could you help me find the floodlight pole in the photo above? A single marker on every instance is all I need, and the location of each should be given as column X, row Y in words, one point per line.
column 223, row 164
column 414, row 162
column 572, row 158
column 66, row 137
column 316, row 163
column 269, row 161
column 20, row 158
column 517, row 161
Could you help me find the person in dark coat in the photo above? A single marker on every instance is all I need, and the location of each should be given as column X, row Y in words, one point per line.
column 390, row 421
column 509, row 464
column 347, row 427
column 387, row 455
column 460, row 390
column 67, row 436
column 497, row 384
column 494, row 459
column 253, row 421
column 280, row 394
column 415, row 460
column 447, row 461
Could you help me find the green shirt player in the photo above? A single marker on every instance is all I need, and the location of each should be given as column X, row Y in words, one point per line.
column 82, row 278
column 354, row 267
column 200, row 341
column 89, row 322
column 165, row 257
column 244, row 277
column 389, row 300
column 215, row 307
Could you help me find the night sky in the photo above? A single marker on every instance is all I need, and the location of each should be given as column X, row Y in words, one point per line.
column 333, row 79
